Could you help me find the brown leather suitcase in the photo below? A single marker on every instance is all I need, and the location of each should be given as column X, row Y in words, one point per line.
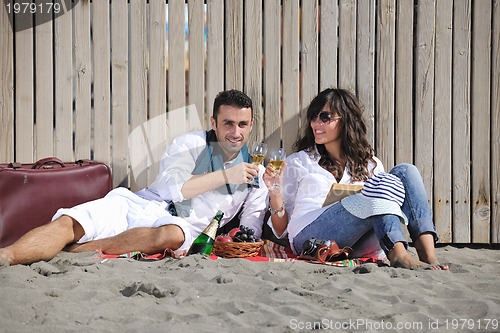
column 30, row 194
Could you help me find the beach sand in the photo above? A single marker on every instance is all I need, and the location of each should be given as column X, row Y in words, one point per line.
column 77, row 293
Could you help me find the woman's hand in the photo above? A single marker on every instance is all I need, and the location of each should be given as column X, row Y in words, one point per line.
column 270, row 178
column 279, row 218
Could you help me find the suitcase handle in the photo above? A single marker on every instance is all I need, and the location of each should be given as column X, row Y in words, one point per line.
column 48, row 160
column 15, row 165
column 81, row 162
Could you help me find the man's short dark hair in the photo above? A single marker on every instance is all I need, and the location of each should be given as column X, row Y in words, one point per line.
column 233, row 98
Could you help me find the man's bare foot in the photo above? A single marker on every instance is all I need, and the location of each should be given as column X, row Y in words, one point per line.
column 77, row 248
column 5, row 257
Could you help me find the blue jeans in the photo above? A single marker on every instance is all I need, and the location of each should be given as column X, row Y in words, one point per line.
column 337, row 224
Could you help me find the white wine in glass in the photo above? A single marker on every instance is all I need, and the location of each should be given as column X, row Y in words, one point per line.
column 277, row 159
column 277, row 165
column 258, row 154
column 257, row 159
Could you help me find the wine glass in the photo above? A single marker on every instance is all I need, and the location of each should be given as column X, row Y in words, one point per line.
column 258, row 153
column 277, row 159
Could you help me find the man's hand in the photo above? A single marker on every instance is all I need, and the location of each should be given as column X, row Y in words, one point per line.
column 241, row 173
column 238, row 174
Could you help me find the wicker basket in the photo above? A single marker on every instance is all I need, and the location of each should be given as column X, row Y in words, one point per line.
column 236, row 249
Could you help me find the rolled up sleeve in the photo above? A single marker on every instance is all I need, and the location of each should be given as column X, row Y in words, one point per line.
column 177, row 164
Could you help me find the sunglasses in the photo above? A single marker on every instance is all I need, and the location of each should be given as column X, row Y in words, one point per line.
column 325, row 117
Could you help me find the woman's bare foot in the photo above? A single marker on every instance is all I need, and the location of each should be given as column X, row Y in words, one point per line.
column 399, row 257
column 436, row 266
column 427, row 253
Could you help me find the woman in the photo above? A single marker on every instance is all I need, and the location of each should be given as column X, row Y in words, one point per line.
column 334, row 149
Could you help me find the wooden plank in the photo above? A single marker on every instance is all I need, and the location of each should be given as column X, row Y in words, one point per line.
column 215, row 51
column 63, row 103
column 44, row 84
column 272, row 68
column 176, row 70
column 119, row 93
column 424, row 92
column 7, row 86
column 157, row 131
column 495, row 122
column 442, row 121
column 309, row 54
column 24, row 102
column 176, row 58
column 404, row 86
column 328, row 57
column 196, row 90
column 480, row 117
column 291, row 74
column 404, row 82
column 138, row 94
column 385, row 83
column 233, row 15
column 366, row 64
column 253, row 64
column 461, row 121
column 102, row 81
column 347, row 45
column 83, row 77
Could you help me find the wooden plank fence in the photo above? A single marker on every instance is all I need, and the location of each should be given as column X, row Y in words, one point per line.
column 106, row 80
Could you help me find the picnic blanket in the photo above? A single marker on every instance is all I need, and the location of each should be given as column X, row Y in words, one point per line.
column 269, row 252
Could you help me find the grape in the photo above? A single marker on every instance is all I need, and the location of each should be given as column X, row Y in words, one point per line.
column 245, row 234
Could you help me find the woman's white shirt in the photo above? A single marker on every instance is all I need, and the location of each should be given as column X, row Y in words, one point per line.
column 305, row 187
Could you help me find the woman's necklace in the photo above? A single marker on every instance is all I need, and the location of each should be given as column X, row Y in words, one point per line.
column 338, row 169
column 333, row 165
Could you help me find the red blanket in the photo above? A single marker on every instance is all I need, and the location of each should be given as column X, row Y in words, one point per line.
column 270, row 252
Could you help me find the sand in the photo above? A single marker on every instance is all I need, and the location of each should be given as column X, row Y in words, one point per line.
column 77, row 293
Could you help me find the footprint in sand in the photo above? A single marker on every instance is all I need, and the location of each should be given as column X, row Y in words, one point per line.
column 45, row 269
column 138, row 288
column 220, row 279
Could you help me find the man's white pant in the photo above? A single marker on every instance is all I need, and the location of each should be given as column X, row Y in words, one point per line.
column 122, row 210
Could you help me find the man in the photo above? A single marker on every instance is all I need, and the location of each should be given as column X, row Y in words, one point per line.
column 201, row 173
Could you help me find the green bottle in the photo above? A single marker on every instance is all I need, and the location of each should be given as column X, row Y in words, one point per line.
column 204, row 243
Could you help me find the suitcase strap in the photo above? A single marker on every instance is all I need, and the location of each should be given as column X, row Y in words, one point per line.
column 49, row 160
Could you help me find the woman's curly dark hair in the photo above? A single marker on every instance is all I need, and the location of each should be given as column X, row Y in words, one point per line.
column 356, row 151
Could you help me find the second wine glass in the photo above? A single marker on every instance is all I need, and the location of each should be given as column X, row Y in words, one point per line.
column 277, row 159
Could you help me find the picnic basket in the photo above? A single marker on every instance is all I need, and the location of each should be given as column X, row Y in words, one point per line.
column 236, row 249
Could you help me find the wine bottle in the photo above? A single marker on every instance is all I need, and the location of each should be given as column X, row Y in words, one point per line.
column 204, row 243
